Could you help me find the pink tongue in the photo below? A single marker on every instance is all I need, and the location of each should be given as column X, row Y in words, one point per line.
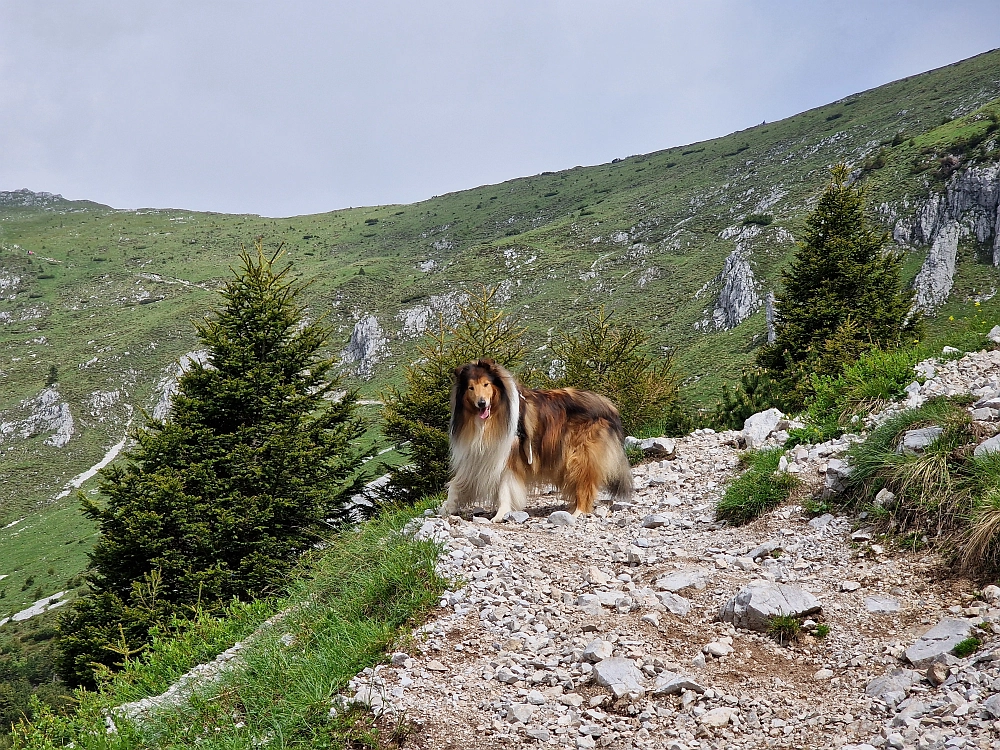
column 485, row 413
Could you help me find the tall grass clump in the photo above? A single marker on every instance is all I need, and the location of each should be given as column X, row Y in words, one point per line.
column 944, row 492
column 760, row 489
column 876, row 379
column 356, row 599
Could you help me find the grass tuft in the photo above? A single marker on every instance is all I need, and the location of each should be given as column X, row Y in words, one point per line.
column 758, row 490
column 783, row 627
column 967, row 647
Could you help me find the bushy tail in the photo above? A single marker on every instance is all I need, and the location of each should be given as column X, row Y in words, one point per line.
column 619, row 482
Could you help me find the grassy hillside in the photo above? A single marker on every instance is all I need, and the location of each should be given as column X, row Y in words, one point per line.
column 107, row 296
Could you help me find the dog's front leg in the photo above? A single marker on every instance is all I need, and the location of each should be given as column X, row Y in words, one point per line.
column 450, row 506
column 511, row 496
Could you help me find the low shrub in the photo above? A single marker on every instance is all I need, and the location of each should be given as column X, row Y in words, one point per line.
column 758, row 490
column 877, row 378
column 967, row 647
column 757, row 391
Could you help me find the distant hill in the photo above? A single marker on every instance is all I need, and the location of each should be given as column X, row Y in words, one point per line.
column 686, row 242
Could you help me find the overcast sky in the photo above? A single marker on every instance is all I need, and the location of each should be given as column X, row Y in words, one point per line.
column 283, row 108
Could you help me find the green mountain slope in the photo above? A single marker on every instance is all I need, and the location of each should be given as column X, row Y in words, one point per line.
column 686, row 242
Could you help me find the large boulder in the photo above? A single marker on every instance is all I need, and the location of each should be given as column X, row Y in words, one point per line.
column 755, row 604
column 757, row 427
column 938, row 641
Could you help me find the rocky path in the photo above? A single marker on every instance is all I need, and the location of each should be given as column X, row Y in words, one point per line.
column 605, row 632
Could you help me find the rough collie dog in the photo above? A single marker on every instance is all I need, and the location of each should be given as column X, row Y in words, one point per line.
column 506, row 439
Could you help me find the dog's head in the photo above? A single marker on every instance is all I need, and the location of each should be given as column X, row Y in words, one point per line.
column 478, row 388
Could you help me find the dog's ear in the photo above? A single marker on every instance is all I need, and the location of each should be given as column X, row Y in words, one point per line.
column 487, row 363
column 460, row 371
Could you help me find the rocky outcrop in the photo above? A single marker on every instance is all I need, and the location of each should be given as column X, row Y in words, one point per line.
column 367, row 346
column 738, row 298
column 969, row 207
column 44, row 413
column 25, row 198
column 769, row 318
column 937, row 275
column 167, row 386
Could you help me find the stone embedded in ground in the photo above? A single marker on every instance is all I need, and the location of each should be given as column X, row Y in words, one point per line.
column 821, row 522
column 590, row 604
column 619, row 675
column 823, row 674
column 518, row 516
column 655, row 521
column 671, row 683
column 892, row 687
column 661, row 447
column 598, row 651
column 596, row 576
column 915, row 442
column 937, row 673
column 683, row 579
column 757, row 427
column 881, row 604
column 992, row 705
column 984, row 414
column 535, row 733
column 754, row 605
column 718, row 650
column 994, row 335
column 675, row 604
column 987, row 446
column 562, row 518
column 991, row 593
column 435, row 666
column 885, row 498
column 864, row 534
column 766, row 548
column 717, row 717
column 938, row 641
column 520, row 712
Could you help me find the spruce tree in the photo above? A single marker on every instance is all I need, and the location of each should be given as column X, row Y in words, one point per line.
column 841, row 295
column 254, row 463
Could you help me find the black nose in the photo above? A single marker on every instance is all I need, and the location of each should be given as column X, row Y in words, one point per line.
column 481, row 403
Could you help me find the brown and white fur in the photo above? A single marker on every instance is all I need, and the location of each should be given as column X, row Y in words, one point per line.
column 506, row 439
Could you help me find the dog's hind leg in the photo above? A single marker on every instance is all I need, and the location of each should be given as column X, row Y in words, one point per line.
column 511, row 496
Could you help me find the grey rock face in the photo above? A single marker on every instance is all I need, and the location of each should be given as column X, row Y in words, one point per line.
column 755, row 604
column 938, row 641
column 757, row 427
column 738, row 298
column 769, row 318
column 619, row 675
column 937, row 275
column 367, row 346
column 994, row 334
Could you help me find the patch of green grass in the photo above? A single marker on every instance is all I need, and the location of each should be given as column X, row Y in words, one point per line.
column 758, row 490
column 784, row 628
column 359, row 595
column 822, row 630
column 967, row 647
